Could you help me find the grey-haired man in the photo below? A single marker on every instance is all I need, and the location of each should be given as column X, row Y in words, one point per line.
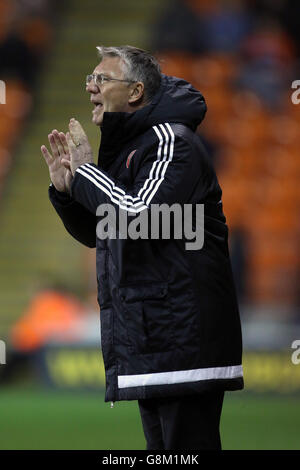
column 170, row 327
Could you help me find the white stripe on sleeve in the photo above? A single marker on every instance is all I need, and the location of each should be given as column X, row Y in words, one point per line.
column 151, row 184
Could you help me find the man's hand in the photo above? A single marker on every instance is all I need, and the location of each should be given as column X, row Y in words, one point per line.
column 79, row 147
column 60, row 175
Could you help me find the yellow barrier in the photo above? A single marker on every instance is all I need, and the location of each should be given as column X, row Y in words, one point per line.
column 264, row 371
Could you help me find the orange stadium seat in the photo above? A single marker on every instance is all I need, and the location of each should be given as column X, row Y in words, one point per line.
column 273, row 250
column 7, row 8
column 283, row 129
column 218, row 101
column 212, row 71
column 277, row 286
column 247, row 105
column 18, row 100
column 243, row 133
column 37, row 33
column 18, row 105
column 239, row 163
column 279, row 160
column 8, row 131
column 176, row 63
column 274, row 220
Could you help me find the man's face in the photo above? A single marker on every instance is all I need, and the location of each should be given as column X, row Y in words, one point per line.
column 111, row 96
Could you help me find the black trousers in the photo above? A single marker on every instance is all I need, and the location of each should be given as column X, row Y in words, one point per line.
column 188, row 422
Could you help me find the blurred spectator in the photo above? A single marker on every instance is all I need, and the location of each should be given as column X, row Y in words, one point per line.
column 51, row 314
column 286, row 12
column 25, row 34
column 267, row 65
column 17, row 59
column 199, row 26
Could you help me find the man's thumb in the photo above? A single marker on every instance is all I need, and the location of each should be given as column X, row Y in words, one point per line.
column 70, row 142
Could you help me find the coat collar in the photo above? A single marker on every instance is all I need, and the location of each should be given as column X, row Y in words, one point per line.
column 119, row 128
column 176, row 101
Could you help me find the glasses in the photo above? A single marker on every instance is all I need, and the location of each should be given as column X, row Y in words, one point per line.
column 100, row 79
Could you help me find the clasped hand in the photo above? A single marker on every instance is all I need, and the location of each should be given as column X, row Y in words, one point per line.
column 69, row 151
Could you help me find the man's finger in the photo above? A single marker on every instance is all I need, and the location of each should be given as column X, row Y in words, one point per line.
column 53, row 146
column 73, row 153
column 58, row 142
column 70, row 142
column 46, row 154
column 66, row 163
column 64, row 142
column 77, row 133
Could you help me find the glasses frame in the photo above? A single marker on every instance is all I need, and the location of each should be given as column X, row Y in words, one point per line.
column 100, row 81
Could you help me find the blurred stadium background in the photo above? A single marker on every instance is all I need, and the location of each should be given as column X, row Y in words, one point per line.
column 243, row 56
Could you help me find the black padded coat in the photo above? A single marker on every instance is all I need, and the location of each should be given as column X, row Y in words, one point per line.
column 169, row 315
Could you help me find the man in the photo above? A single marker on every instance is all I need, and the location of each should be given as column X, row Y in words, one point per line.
column 170, row 327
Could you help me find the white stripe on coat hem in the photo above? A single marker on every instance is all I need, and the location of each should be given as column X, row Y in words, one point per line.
column 180, row 376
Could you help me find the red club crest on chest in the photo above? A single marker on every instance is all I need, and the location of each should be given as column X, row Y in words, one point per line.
column 129, row 158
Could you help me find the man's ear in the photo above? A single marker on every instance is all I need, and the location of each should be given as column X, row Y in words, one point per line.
column 136, row 92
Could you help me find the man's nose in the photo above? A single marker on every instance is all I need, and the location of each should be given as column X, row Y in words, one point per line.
column 91, row 87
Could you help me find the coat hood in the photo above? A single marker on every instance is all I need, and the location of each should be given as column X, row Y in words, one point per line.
column 176, row 101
